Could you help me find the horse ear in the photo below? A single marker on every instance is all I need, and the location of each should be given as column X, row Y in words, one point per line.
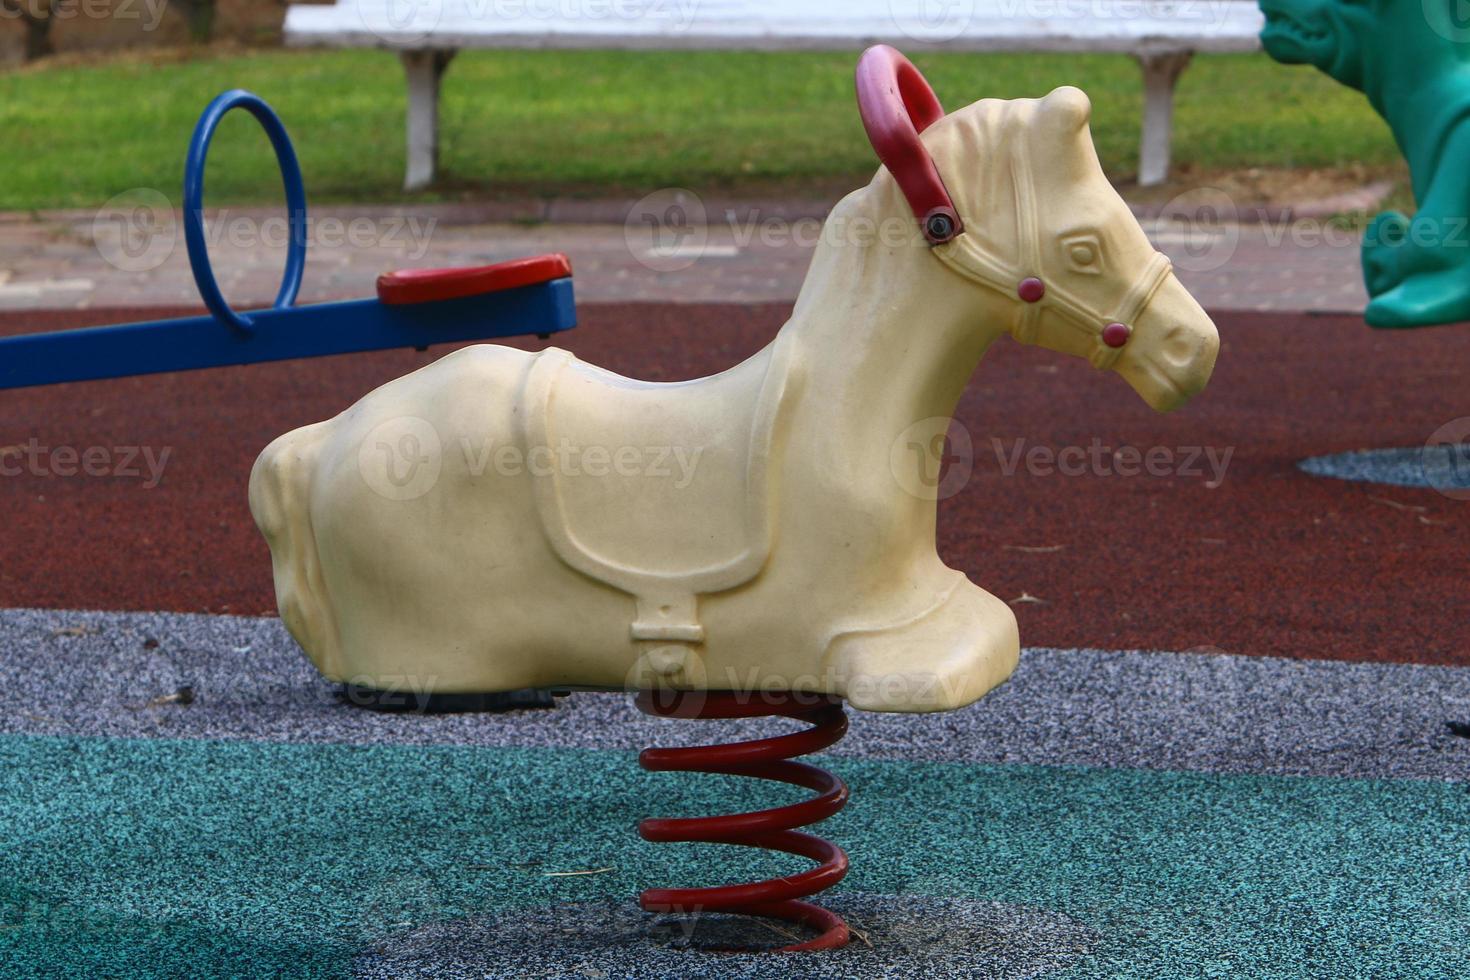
column 1069, row 106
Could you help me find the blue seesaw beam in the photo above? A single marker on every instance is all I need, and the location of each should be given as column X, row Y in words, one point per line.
column 195, row 342
column 225, row 338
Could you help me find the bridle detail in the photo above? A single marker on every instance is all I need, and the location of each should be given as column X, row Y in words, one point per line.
column 1110, row 330
column 896, row 105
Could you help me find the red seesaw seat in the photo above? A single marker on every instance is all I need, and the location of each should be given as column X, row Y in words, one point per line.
column 431, row 285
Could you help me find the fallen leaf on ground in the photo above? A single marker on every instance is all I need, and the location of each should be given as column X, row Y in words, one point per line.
column 1415, row 508
column 184, row 695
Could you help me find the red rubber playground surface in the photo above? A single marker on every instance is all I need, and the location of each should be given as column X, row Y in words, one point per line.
column 182, row 795
column 1271, row 561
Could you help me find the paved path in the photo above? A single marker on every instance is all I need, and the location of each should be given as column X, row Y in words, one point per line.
column 135, row 256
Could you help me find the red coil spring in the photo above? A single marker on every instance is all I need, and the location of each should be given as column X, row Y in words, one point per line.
column 774, row 829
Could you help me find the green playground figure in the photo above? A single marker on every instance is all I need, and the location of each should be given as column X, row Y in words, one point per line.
column 1411, row 58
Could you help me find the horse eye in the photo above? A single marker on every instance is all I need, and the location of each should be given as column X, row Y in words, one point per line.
column 1083, row 252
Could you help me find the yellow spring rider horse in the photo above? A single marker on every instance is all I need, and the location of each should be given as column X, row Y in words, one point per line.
column 523, row 534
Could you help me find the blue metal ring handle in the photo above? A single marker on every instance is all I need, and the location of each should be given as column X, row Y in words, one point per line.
column 198, row 246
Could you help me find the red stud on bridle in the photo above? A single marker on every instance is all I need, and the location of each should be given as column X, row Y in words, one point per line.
column 897, row 104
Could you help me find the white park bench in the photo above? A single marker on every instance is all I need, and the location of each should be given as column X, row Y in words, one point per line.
column 1161, row 34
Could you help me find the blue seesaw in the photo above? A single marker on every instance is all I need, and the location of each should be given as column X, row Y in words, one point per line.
column 413, row 308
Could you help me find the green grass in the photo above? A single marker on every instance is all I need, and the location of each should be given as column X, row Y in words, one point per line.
column 594, row 121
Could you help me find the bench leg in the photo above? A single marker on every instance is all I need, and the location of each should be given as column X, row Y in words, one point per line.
column 425, row 70
column 1160, row 74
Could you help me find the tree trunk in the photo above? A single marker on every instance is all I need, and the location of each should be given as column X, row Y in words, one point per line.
column 200, row 16
column 36, row 15
column 38, row 38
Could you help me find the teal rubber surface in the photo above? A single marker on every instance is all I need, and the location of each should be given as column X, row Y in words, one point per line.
column 206, row 858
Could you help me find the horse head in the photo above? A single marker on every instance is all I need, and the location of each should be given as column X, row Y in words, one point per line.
column 1011, row 198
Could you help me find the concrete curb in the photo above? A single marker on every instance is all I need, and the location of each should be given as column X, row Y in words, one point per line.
column 737, row 210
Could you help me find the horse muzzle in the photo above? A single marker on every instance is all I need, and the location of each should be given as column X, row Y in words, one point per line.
column 1171, row 352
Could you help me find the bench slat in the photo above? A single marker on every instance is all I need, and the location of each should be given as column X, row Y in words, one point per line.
column 1161, row 34
column 1129, row 26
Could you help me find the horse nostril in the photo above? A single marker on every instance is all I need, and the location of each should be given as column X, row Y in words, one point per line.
column 1178, row 347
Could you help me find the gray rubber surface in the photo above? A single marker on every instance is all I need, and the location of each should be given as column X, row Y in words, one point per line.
column 121, row 674
column 1442, row 467
column 905, row 935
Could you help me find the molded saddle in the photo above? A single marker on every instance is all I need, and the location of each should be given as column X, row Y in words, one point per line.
column 647, row 492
